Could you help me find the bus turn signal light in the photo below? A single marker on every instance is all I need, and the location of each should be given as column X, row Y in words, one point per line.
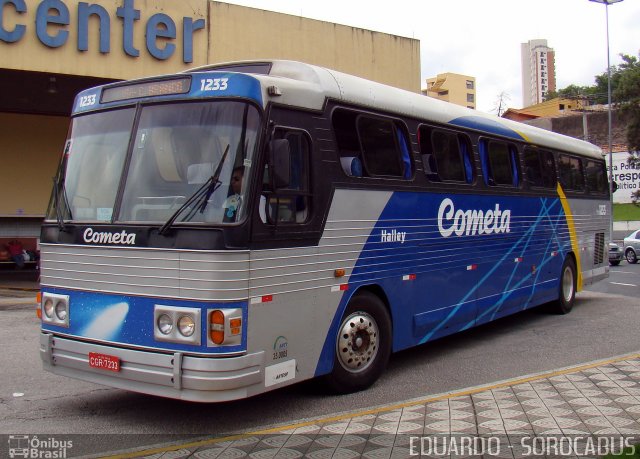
column 236, row 326
column 217, row 327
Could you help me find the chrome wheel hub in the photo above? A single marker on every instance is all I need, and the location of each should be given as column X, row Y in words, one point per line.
column 357, row 343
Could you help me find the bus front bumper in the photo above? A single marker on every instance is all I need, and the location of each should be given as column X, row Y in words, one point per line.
column 193, row 378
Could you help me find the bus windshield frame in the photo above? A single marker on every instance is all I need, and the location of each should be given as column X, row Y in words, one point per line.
column 143, row 164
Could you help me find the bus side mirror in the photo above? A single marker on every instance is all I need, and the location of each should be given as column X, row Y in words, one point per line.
column 281, row 162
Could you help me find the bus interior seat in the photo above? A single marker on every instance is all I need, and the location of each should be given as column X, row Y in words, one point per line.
column 351, row 165
column 430, row 167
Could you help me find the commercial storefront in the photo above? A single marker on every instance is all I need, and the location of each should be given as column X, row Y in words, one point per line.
column 51, row 49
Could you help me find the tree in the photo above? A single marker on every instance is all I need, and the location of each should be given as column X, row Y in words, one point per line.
column 628, row 94
column 501, row 103
column 625, row 95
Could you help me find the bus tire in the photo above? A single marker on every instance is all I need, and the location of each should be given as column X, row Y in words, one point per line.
column 362, row 345
column 567, row 287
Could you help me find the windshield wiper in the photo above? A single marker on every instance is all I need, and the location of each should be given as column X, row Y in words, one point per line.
column 56, row 203
column 200, row 197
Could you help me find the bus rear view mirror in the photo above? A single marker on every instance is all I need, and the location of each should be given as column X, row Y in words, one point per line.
column 281, row 162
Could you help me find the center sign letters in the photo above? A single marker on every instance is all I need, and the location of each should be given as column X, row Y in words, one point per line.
column 53, row 18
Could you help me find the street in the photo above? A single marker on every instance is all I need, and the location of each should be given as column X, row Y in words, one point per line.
column 34, row 402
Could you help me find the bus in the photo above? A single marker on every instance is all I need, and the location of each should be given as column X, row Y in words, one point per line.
column 240, row 227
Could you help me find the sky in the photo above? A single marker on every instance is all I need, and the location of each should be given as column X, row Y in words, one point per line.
column 482, row 38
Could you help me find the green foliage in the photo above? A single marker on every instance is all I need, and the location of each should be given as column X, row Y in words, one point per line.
column 627, row 94
column 626, row 213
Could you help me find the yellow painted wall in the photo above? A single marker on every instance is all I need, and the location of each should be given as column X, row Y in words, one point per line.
column 552, row 107
column 239, row 33
column 30, row 148
column 456, row 85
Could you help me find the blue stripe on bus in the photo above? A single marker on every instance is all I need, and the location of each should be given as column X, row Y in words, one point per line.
column 486, row 125
column 461, row 280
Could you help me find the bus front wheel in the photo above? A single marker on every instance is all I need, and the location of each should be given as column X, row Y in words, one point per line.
column 567, row 288
column 362, row 344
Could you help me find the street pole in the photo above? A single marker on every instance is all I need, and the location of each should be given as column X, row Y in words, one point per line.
column 606, row 4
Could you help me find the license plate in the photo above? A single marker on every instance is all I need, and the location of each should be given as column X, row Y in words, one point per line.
column 104, row 361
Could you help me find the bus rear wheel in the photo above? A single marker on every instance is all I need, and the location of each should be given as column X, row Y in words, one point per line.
column 362, row 344
column 567, row 288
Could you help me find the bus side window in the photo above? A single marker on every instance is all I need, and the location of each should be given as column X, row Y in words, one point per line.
column 571, row 172
column 369, row 146
column 539, row 167
column 382, row 153
column 292, row 203
column 499, row 163
column 445, row 155
column 596, row 174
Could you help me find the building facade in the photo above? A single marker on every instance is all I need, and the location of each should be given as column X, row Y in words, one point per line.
column 538, row 71
column 52, row 49
column 453, row 87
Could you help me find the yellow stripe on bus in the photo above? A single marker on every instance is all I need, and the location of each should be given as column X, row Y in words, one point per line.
column 572, row 234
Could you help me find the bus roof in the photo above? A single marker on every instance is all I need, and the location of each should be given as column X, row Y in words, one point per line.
column 308, row 86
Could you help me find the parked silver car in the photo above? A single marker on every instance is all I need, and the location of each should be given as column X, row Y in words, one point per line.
column 632, row 247
column 615, row 254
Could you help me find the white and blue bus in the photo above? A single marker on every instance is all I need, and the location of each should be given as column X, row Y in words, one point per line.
column 240, row 227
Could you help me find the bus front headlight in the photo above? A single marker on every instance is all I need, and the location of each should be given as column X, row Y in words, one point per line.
column 176, row 324
column 186, row 326
column 165, row 324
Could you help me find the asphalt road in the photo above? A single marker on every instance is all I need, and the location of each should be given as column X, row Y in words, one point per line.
column 35, row 402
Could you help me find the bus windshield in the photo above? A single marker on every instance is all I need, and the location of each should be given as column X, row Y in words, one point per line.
column 176, row 150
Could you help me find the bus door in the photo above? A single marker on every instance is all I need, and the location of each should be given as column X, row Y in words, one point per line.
column 284, row 271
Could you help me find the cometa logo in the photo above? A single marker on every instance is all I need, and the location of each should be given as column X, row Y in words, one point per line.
column 93, row 237
column 471, row 222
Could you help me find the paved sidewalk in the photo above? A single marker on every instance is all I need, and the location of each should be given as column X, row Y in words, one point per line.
column 582, row 411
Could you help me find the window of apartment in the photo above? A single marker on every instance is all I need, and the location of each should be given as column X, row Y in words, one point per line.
column 443, row 93
column 499, row 163
column 470, row 84
column 446, row 155
column 540, row 168
column 570, row 172
column 471, row 98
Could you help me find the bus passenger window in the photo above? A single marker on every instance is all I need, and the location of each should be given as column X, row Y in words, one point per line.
column 445, row 155
column 596, row 174
column 571, row 173
column 378, row 140
column 499, row 163
column 540, row 168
